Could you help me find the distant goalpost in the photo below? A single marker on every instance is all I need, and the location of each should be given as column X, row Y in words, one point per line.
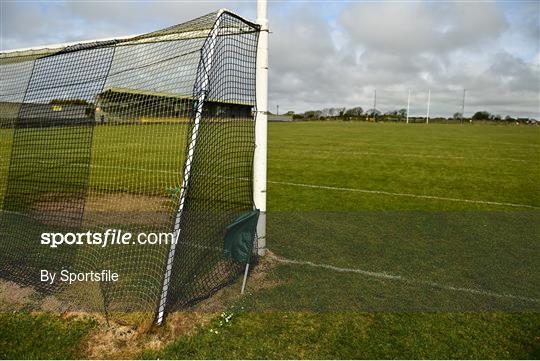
column 158, row 132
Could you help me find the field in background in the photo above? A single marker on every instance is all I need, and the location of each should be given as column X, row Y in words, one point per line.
column 415, row 218
column 491, row 163
column 375, row 224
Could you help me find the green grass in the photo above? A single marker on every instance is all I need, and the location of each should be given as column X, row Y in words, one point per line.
column 461, row 243
column 453, row 243
column 491, row 163
column 361, row 336
column 26, row 336
column 488, row 251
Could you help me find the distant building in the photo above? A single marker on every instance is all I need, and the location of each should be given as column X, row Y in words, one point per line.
column 39, row 114
column 119, row 105
column 279, row 118
column 128, row 105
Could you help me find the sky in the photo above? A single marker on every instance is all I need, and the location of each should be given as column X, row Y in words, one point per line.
column 337, row 53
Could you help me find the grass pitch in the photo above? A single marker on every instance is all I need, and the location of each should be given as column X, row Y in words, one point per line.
column 410, row 241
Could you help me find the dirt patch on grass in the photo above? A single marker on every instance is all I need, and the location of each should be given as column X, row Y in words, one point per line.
column 102, row 209
column 125, row 202
column 128, row 209
column 120, row 337
column 117, row 341
column 14, row 297
column 258, row 279
column 111, row 340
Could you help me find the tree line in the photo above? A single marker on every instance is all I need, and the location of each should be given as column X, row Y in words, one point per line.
column 358, row 113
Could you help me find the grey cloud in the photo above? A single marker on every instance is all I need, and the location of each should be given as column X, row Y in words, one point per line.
column 410, row 28
column 73, row 20
column 138, row 14
column 318, row 63
column 392, row 47
column 25, row 24
column 513, row 73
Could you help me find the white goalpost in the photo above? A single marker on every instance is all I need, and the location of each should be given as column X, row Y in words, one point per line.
column 261, row 126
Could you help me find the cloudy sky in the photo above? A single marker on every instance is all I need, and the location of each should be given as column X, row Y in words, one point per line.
column 336, row 53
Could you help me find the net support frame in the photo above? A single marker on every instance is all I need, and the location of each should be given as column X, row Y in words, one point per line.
column 187, row 167
column 184, row 98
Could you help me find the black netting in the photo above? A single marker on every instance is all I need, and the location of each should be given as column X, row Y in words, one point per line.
column 152, row 134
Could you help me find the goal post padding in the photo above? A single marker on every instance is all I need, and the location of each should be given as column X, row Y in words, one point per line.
column 152, row 133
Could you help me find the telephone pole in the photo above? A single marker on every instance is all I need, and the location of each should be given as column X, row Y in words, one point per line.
column 428, row 103
column 374, row 104
column 463, row 104
column 408, row 105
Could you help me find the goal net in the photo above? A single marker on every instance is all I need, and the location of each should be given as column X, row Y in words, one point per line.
column 148, row 135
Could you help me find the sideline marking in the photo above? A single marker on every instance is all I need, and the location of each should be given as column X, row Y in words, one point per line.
column 417, row 155
column 388, row 276
column 404, row 194
column 317, row 186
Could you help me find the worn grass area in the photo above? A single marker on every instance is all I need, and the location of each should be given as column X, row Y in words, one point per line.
column 445, row 208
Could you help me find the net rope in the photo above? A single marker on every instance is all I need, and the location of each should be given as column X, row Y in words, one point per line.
column 153, row 134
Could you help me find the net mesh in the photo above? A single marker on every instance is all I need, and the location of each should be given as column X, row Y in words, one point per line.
column 151, row 134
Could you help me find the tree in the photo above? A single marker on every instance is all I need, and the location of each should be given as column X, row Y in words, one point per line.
column 313, row 114
column 481, row 115
column 457, row 116
column 402, row 113
column 354, row 112
column 373, row 113
column 509, row 119
column 332, row 112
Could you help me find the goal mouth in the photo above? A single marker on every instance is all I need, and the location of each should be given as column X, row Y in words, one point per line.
column 146, row 134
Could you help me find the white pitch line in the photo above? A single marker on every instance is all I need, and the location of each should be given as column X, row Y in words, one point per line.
column 385, row 275
column 415, row 155
column 83, row 165
column 370, row 191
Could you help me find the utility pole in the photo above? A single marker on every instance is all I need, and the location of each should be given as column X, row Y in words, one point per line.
column 374, row 104
column 277, row 109
column 408, row 105
column 463, row 105
column 428, row 103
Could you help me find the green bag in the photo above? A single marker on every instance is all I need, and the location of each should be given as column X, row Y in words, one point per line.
column 239, row 237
